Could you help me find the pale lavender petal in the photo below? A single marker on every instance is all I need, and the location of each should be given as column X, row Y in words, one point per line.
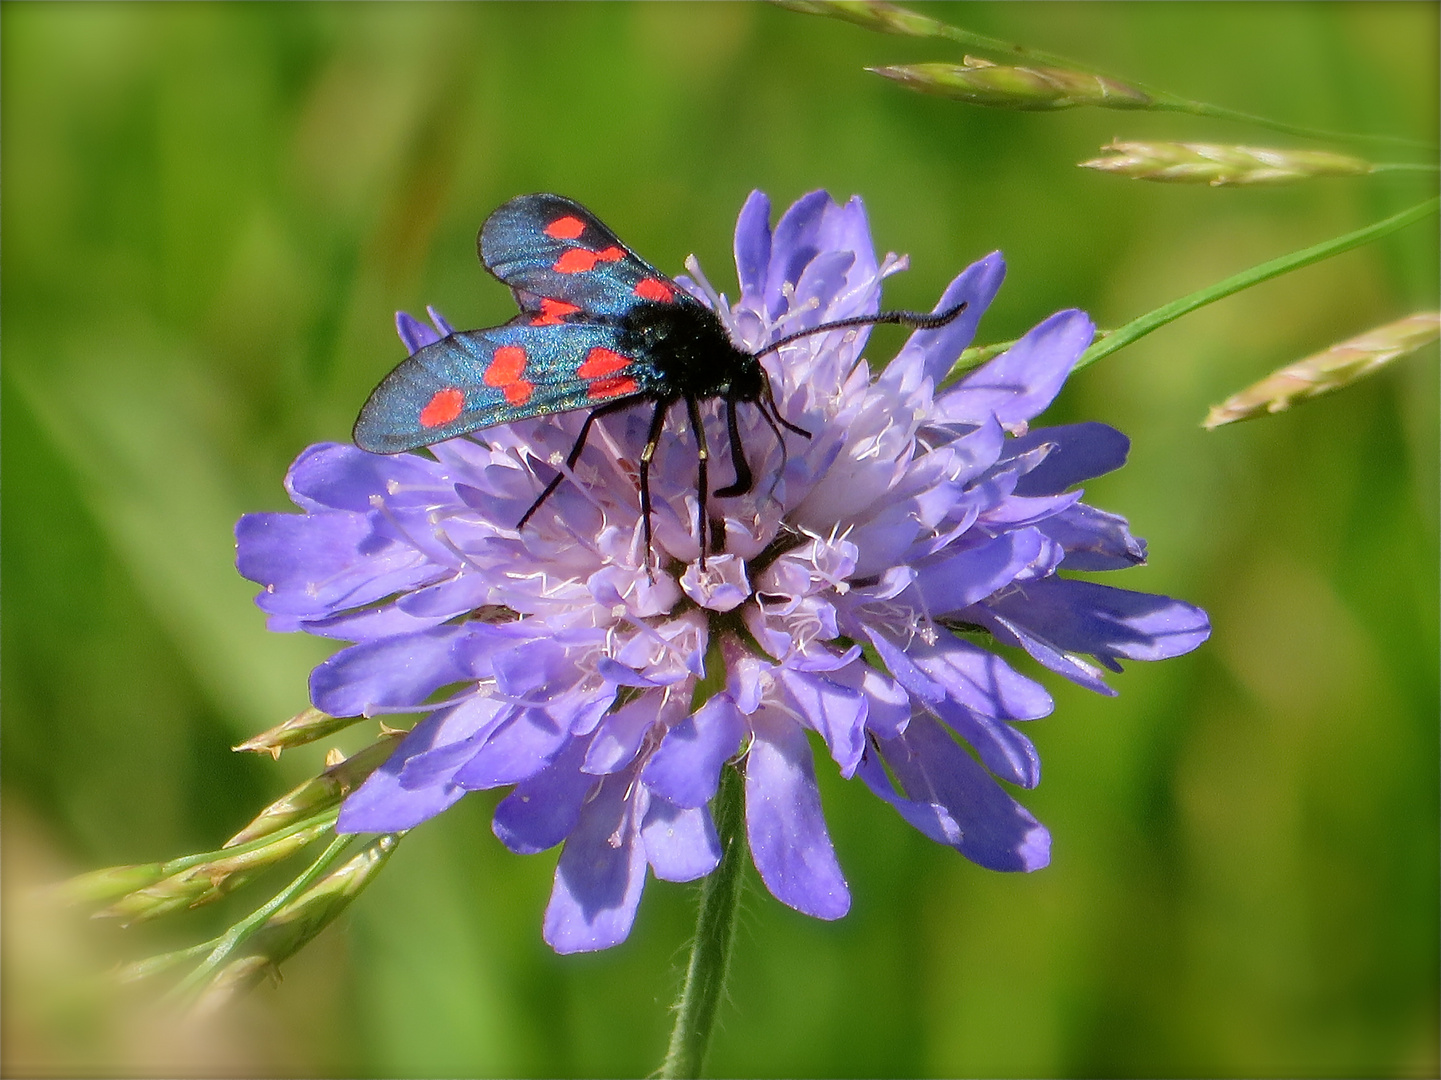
column 836, row 711
column 888, row 706
column 534, row 672
column 994, row 830
column 1094, row 539
column 464, row 729
column 1002, row 749
column 964, row 578
column 753, row 244
column 459, row 595
column 363, row 624
column 686, row 768
column 318, row 565
column 444, row 328
column 680, row 842
column 931, row 353
column 1019, row 383
column 980, row 680
column 787, row 830
column 1072, row 667
column 389, row 673
column 543, row 810
column 1079, row 452
column 413, row 333
column 822, row 281
column 627, row 676
column 618, row 737
column 1016, row 512
column 519, row 749
column 1108, row 623
column 338, row 476
column 793, row 246
column 601, row 873
column 903, row 669
column 382, row 805
column 722, row 586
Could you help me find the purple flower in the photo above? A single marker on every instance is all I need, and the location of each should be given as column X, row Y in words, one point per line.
column 859, row 580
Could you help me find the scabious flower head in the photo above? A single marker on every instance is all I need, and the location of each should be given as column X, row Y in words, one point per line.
column 854, row 584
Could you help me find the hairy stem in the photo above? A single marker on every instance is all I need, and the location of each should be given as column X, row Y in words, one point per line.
column 715, row 931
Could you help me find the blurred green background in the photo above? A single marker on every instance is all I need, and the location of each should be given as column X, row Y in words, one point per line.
column 211, row 213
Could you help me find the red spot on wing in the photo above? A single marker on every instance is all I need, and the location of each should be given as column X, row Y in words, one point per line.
column 654, row 289
column 600, row 363
column 505, row 366
column 504, row 373
column 552, row 312
column 443, row 407
column 580, row 260
column 616, row 387
column 565, row 228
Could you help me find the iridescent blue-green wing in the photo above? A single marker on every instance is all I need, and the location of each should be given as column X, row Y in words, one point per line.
column 475, row 379
column 564, row 265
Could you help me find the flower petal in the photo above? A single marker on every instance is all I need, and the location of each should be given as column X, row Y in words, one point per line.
column 1003, row 749
column 1108, row 623
column 722, row 586
column 960, row 580
column 315, row 565
column 753, row 245
column 518, row 749
column 414, row 334
column 618, row 736
column 464, row 729
column 1022, row 381
column 397, row 672
column 543, row 810
column 601, row 873
column 1094, row 539
column 381, row 804
column 979, row 679
column 1078, row 453
column 793, row 246
column 787, row 830
column 836, row 711
column 931, row 353
column 680, row 842
column 338, row 476
column 686, row 768
column 954, row 801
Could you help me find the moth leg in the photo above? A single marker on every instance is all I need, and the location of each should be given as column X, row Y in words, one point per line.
column 573, row 456
column 657, row 423
column 780, row 438
column 702, row 483
column 744, row 480
column 771, row 398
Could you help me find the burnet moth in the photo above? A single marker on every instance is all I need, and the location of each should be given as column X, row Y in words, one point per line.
column 598, row 328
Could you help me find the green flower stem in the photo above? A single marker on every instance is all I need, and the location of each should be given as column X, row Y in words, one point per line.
column 1154, row 320
column 715, row 931
column 227, row 942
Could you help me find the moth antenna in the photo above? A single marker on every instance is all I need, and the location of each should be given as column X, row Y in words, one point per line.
column 917, row 320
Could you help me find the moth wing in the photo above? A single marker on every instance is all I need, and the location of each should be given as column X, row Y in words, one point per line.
column 476, row 379
column 562, row 261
